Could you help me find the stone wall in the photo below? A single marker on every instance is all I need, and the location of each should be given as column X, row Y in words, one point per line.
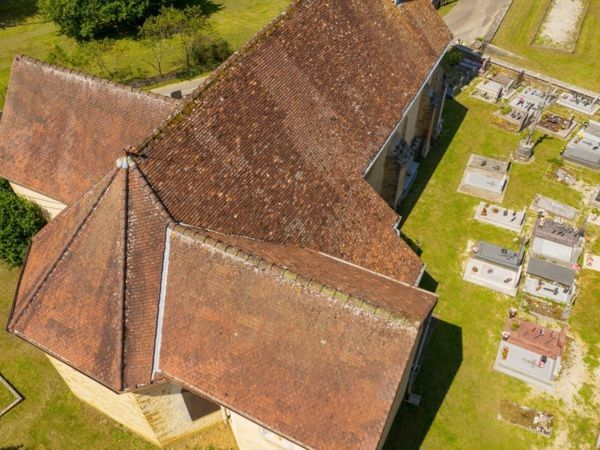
column 159, row 413
column 122, row 408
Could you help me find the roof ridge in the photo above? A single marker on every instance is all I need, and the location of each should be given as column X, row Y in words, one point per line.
column 40, row 283
column 147, row 187
column 103, row 81
column 189, row 105
column 267, row 266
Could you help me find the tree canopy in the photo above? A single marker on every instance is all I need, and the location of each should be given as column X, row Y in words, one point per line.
column 87, row 19
column 20, row 219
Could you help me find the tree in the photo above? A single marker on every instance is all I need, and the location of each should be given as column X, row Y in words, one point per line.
column 202, row 48
column 20, row 219
column 157, row 30
column 210, row 50
column 86, row 19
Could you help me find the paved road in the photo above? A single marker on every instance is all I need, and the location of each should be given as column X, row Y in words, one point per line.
column 471, row 19
column 186, row 87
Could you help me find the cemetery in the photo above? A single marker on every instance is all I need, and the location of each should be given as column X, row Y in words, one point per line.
column 485, row 177
column 530, row 352
column 494, row 267
column 584, row 148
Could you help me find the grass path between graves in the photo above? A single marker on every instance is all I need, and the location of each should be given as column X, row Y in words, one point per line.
column 461, row 392
column 580, row 67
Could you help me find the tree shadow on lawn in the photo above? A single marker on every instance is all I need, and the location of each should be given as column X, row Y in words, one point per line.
column 454, row 114
column 443, row 356
column 14, row 12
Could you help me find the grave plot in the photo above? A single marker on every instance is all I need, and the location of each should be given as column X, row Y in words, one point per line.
column 560, row 27
column 542, row 204
column 485, row 177
column 522, row 416
column 580, row 103
column 528, row 99
column 595, row 198
column 495, row 88
column 550, row 281
column 557, row 125
column 531, row 353
column 508, row 219
column 550, row 310
column 495, row 268
column 557, row 242
column 562, row 175
column 591, row 262
column 584, row 148
column 516, row 119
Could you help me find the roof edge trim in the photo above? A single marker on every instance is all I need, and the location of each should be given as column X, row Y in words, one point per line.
column 94, row 78
column 283, row 272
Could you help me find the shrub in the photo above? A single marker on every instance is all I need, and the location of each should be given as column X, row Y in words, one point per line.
column 454, row 57
column 20, row 219
column 209, row 51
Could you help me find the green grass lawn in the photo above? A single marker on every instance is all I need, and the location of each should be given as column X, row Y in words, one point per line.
column 23, row 31
column 6, row 397
column 580, row 67
column 461, row 392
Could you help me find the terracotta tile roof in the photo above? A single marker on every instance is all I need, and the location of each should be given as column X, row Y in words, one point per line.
column 536, row 338
column 62, row 130
column 275, row 145
column 295, row 287
column 298, row 357
column 399, row 298
column 90, row 286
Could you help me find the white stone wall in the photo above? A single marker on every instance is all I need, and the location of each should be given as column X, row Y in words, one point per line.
column 251, row 436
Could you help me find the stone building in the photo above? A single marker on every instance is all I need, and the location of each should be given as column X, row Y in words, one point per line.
column 224, row 258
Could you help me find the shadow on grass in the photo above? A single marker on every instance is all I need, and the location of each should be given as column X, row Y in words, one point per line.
column 14, row 12
column 454, row 114
column 443, row 357
column 428, row 283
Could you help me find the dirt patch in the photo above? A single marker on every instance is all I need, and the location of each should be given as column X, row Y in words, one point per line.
column 560, row 28
column 530, row 419
column 573, row 375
